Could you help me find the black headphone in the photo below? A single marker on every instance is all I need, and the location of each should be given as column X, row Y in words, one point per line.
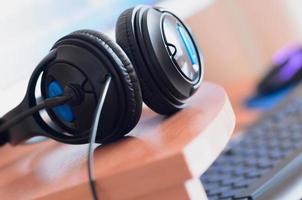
column 155, row 60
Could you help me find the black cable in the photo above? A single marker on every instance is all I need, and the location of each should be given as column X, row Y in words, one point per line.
column 47, row 103
column 93, row 134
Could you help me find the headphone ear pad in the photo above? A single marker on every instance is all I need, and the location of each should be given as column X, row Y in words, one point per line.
column 152, row 95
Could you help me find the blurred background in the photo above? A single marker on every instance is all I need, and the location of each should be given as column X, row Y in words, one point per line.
column 238, row 37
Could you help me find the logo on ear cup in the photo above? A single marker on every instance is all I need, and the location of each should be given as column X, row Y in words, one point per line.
column 188, row 44
column 182, row 48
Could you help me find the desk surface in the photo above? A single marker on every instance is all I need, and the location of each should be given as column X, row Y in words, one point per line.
column 160, row 154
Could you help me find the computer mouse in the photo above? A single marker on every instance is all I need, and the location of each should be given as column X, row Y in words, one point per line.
column 286, row 70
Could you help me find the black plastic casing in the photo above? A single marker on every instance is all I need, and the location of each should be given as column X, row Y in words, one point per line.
column 155, row 66
column 73, row 62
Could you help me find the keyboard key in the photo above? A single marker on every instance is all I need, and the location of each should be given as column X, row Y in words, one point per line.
column 218, row 191
column 231, row 181
column 228, row 195
column 264, row 163
column 211, row 186
column 240, row 170
column 276, row 155
column 253, row 173
column 250, row 162
column 243, row 183
column 227, row 169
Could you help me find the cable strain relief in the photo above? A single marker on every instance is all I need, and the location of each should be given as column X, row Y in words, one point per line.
column 76, row 92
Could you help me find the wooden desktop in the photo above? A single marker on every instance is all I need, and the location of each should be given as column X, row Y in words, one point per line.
column 162, row 158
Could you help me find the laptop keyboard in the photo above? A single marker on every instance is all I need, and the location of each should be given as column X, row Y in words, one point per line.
column 265, row 149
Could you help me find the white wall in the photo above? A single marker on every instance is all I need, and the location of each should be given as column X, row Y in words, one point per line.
column 294, row 11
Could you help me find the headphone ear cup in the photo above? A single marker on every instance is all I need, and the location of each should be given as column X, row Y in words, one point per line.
column 124, row 85
column 152, row 96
